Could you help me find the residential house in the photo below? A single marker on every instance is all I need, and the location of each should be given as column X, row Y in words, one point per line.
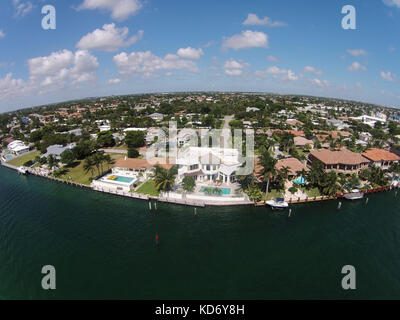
column 381, row 158
column 56, row 150
column 208, row 164
column 294, row 165
column 342, row 161
column 17, row 147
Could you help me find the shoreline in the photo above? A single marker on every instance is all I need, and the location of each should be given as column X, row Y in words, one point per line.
column 184, row 202
column 192, row 203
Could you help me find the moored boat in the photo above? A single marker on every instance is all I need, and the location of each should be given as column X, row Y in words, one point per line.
column 22, row 170
column 278, row 203
column 354, row 195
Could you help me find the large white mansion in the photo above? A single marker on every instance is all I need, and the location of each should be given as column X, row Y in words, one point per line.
column 208, row 164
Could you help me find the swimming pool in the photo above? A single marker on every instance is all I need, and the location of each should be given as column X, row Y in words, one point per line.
column 9, row 157
column 224, row 191
column 122, row 179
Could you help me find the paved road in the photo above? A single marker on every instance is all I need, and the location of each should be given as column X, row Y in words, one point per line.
column 114, row 151
column 228, row 119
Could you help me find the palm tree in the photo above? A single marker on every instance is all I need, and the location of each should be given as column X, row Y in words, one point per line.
column 268, row 168
column 89, row 165
column 330, row 183
column 164, row 178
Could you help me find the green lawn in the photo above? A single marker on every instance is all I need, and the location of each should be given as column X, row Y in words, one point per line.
column 21, row 160
column 148, row 188
column 273, row 194
column 314, row 192
column 78, row 175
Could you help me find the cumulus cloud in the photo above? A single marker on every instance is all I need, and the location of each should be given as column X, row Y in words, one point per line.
column 272, row 58
column 120, row 9
column 149, row 64
column 114, row 81
column 21, row 9
column 190, row 53
column 109, row 38
column 63, row 67
column 357, row 52
column 277, row 73
column 247, row 39
column 392, row 3
column 10, row 87
column 254, row 20
column 234, row 68
column 311, row 69
column 389, row 76
column 356, row 66
column 320, row 83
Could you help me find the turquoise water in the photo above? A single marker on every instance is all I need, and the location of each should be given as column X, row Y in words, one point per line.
column 124, row 179
column 225, row 191
column 103, row 246
column 9, row 157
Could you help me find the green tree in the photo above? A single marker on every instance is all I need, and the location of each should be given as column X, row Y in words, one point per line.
column 268, row 168
column 164, row 178
column 188, row 184
column 105, row 139
column 133, row 153
column 67, row 157
column 135, row 139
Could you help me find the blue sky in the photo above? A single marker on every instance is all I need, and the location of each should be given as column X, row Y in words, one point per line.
column 102, row 47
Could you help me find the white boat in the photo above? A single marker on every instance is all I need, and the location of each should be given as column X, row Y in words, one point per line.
column 22, row 170
column 279, row 203
column 354, row 195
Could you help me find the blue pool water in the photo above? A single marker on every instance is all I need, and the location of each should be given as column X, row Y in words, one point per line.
column 124, row 179
column 9, row 157
column 225, row 191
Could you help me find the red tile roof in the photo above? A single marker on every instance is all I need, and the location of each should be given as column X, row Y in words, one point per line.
column 375, row 154
column 343, row 156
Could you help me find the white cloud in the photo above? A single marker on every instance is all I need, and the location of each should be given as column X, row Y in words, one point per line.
column 234, row 68
column 392, row 3
column 114, row 81
column 357, row 52
column 320, row 83
column 389, row 76
column 62, row 68
column 120, row 9
column 2, row 34
column 148, row 64
column 254, row 20
column 272, row 58
column 190, row 53
column 247, row 39
column 21, row 9
column 311, row 69
column 109, row 38
column 356, row 66
column 277, row 73
column 10, row 87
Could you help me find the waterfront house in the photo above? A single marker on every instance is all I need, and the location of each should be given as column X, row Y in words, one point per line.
column 56, row 150
column 294, row 165
column 381, row 158
column 342, row 161
column 17, row 147
column 208, row 164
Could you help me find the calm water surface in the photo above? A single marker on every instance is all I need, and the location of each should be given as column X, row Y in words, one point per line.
column 103, row 246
